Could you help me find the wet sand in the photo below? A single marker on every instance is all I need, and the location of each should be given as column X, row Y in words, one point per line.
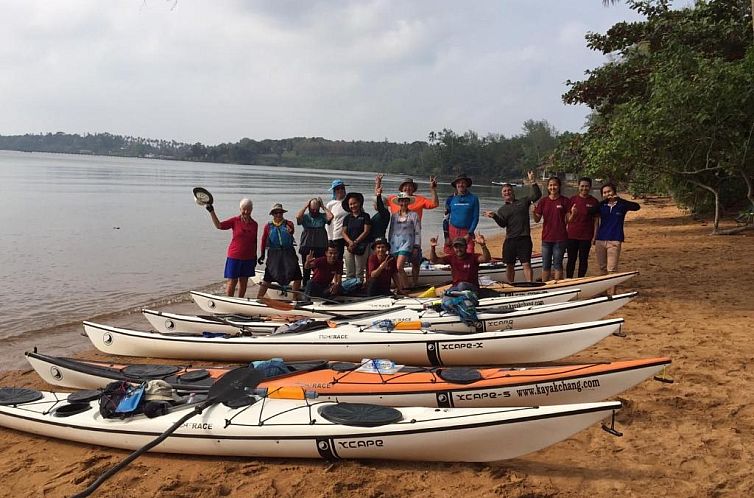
column 690, row 438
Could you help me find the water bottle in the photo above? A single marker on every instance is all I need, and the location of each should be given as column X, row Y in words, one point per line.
column 383, row 365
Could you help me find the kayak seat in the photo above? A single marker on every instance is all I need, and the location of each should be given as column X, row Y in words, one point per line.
column 18, row 395
column 84, row 396
column 360, row 414
column 241, row 401
column 343, row 366
column 305, row 366
column 149, row 371
column 193, row 376
column 70, row 409
column 459, row 375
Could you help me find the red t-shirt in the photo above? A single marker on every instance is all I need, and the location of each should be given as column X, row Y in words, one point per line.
column 553, row 213
column 464, row 270
column 386, row 276
column 324, row 272
column 243, row 244
column 581, row 226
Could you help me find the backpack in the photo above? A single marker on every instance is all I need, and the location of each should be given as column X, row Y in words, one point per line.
column 121, row 399
column 461, row 303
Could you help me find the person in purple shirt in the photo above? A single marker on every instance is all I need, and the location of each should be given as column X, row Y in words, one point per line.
column 610, row 237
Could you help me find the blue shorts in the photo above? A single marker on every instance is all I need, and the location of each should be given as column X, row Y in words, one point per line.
column 552, row 255
column 239, row 268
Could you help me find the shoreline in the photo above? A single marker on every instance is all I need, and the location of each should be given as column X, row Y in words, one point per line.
column 689, row 438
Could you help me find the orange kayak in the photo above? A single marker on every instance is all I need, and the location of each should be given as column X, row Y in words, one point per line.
column 408, row 386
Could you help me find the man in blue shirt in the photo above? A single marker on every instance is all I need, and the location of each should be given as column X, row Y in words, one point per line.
column 463, row 208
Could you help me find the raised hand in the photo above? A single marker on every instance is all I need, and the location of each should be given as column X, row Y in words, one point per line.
column 530, row 176
column 310, row 257
column 480, row 239
column 378, row 180
column 433, row 241
column 433, row 182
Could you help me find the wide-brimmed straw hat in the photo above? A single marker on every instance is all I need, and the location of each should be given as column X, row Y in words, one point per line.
column 352, row 195
column 401, row 196
column 462, row 176
column 277, row 207
column 159, row 390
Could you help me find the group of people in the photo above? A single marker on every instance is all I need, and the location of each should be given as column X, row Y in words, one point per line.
column 569, row 226
column 377, row 249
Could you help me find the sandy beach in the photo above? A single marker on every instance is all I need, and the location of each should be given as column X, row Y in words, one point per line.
column 689, row 438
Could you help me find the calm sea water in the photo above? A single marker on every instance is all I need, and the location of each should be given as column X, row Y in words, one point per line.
column 82, row 236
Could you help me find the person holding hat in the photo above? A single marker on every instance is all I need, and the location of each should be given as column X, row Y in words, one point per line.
column 419, row 203
column 282, row 263
column 513, row 215
column 404, row 234
column 463, row 213
column 355, row 233
column 242, row 251
column 382, row 270
column 335, row 206
column 314, row 235
column 464, row 266
column 327, row 272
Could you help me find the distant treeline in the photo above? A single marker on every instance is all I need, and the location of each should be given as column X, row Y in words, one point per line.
column 444, row 153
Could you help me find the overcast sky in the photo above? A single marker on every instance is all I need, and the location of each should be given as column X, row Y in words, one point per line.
column 218, row 71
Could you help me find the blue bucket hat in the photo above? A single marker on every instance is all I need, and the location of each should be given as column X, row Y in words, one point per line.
column 337, row 183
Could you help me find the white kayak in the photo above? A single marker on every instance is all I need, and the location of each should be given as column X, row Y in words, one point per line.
column 525, row 316
column 352, row 343
column 214, row 303
column 588, row 286
column 519, row 318
column 496, row 270
column 172, row 323
column 284, row 428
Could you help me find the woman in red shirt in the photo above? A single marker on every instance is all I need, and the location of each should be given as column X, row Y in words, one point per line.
column 581, row 228
column 242, row 251
column 555, row 211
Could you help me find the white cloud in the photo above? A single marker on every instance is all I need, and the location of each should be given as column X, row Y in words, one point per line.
column 220, row 71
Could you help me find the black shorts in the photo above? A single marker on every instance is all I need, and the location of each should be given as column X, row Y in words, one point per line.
column 518, row 248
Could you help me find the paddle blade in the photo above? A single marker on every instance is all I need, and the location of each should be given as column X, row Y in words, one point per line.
column 234, row 384
column 431, row 292
column 278, row 305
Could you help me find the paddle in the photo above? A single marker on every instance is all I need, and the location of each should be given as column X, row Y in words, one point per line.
column 308, row 296
column 230, row 386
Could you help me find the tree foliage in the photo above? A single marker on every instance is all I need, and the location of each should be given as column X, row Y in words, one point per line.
column 674, row 110
column 445, row 153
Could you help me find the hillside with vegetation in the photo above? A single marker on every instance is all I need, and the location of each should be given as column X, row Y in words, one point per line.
column 445, row 152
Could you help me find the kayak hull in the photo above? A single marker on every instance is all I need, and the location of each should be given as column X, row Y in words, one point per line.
column 517, row 318
column 351, row 343
column 535, row 386
column 296, row 429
